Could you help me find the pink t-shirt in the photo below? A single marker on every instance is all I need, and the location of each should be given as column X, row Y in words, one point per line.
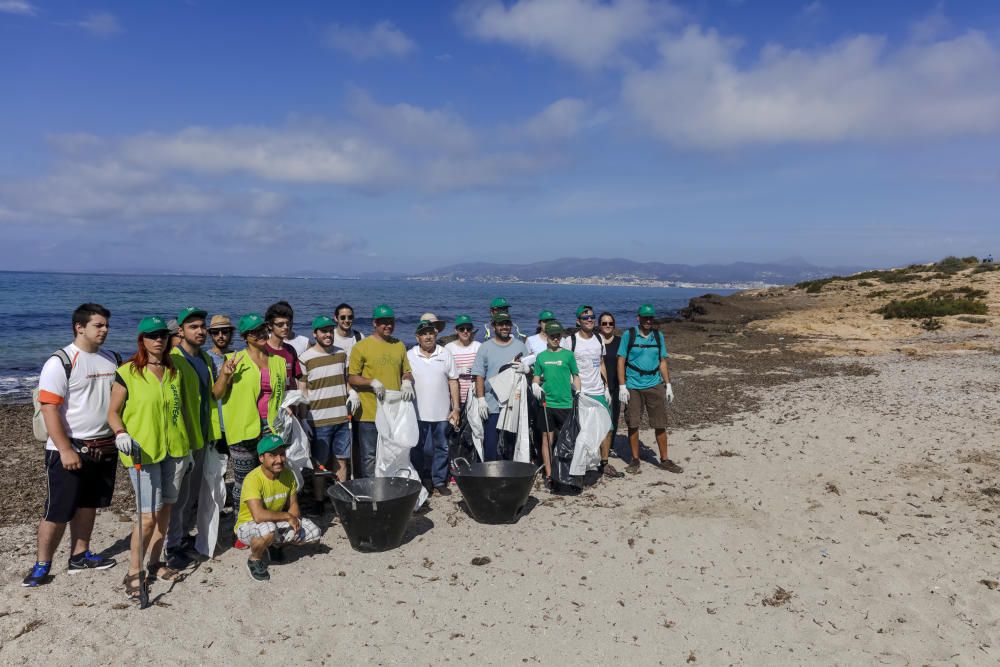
column 265, row 392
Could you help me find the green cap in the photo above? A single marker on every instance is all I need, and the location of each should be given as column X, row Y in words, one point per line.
column 501, row 317
column 582, row 309
column 499, row 302
column 322, row 322
column 646, row 310
column 553, row 328
column 462, row 319
column 427, row 324
column 191, row 311
column 251, row 321
column 269, row 443
column 152, row 324
column 382, row 312
column 546, row 315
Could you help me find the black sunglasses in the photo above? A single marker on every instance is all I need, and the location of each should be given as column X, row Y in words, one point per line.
column 607, row 323
column 218, row 332
column 463, row 328
column 159, row 335
column 346, row 317
column 259, row 332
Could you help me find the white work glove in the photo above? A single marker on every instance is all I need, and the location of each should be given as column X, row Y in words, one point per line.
column 623, row 395
column 670, row 393
column 378, row 389
column 352, row 401
column 537, row 390
column 607, row 394
column 521, row 367
column 484, row 409
column 406, row 390
column 124, row 442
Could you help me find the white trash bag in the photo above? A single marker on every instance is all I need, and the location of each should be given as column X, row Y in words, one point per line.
column 211, row 498
column 299, row 453
column 595, row 422
column 398, row 433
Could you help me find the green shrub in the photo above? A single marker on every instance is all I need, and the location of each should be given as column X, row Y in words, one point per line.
column 879, row 293
column 972, row 320
column 983, row 268
column 927, row 308
column 953, row 264
column 900, row 276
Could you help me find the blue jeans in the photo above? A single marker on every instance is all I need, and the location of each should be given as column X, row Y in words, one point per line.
column 329, row 442
column 368, row 437
column 430, row 456
column 492, row 447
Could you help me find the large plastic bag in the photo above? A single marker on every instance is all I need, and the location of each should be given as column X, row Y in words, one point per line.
column 211, row 498
column 472, row 429
column 564, row 451
column 299, row 454
column 511, row 389
column 595, row 422
column 398, row 433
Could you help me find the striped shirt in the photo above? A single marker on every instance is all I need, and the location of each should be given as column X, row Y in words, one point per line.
column 464, row 358
column 326, row 379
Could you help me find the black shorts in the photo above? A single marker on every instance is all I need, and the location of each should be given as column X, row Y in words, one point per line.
column 557, row 417
column 90, row 486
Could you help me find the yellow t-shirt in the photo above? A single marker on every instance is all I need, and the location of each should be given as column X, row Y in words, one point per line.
column 274, row 493
column 379, row 360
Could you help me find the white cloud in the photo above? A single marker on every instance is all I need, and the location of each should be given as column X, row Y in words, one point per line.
column 381, row 40
column 586, row 33
column 412, row 126
column 558, row 121
column 701, row 95
column 21, row 7
column 101, row 24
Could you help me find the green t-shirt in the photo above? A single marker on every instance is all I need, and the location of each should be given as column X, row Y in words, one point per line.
column 274, row 493
column 557, row 370
column 377, row 359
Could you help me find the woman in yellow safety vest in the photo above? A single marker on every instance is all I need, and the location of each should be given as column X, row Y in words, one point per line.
column 147, row 414
column 251, row 386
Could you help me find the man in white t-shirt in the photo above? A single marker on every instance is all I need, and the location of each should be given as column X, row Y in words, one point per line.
column 345, row 335
column 435, row 380
column 588, row 349
column 80, row 455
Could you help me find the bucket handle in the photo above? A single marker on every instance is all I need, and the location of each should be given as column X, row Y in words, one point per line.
column 454, row 462
column 355, row 499
column 409, row 473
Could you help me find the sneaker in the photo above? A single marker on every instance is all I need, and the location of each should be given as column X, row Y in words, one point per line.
column 276, row 554
column 239, row 544
column 609, row 470
column 443, row 490
column 177, row 559
column 258, row 570
column 633, row 468
column 39, row 575
column 90, row 561
column 669, row 466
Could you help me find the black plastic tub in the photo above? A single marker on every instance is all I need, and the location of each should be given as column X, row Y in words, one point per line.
column 375, row 516
column 495, row 491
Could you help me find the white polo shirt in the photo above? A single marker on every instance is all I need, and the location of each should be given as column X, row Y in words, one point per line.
column 430, row 381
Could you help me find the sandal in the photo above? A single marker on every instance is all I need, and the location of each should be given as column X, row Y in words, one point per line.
column 159, row 570
column 132, row 587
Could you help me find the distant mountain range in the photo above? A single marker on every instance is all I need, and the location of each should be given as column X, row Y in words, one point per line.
column 617, row 270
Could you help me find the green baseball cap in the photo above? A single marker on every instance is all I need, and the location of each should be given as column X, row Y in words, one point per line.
column 553, row 328
column 462, row 319
column 582, row 309
column 191, row 311
column 647, row 310
column 427, row 324
column 152, row 324
column 269, row 443
column 382, row 312
column 546, row 315
column 251, row 321
column 499, row 302
column 322, row 322
column 501, row 317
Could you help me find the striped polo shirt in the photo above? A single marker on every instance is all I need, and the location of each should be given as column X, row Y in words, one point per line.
column 326, row 378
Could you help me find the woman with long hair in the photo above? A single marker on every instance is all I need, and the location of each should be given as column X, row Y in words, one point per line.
column 251, row 386
column 611, row 340
column 147, row 415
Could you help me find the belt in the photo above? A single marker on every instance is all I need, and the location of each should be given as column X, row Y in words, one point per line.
column 93, row 443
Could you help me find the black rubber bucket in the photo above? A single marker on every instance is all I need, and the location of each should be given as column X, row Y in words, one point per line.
column 375, row 516
column 495, row 491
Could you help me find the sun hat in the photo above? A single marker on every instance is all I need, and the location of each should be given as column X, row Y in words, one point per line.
column 152, row 324
column 431, row 317
column 191, row 311
column 269, row 443
column 221, row 322
column 251, row 321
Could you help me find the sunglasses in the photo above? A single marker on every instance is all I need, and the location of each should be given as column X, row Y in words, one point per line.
column 586, row 318
column 258, row 333
column 327, row 330
column 346, row 318
column 219, row 332
column 385, row 322
column 159, row 335
column 281, row 325
column 607, row 323
column 464, row 329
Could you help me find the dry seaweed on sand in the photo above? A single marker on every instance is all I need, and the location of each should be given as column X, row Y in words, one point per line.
column 778, row 598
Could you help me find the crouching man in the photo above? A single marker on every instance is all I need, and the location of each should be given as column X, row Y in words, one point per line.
column 269, row 516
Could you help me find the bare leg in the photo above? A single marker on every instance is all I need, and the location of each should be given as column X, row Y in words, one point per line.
column 633, row 442
column 259, row 545
column 546, row 443
column 134, row 557
column 49, row 536
column 342, row 469
column 80, row 529
column 606, row 445
column 661, row 442
column 156, row 541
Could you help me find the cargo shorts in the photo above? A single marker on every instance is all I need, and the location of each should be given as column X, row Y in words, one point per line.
column 654, row 400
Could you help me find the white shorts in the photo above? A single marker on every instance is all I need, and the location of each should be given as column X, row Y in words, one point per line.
column 283, row 534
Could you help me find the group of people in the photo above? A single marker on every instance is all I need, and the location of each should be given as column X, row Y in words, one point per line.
column 187, row 403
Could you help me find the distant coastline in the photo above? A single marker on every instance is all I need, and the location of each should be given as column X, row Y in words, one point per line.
column 596, row 281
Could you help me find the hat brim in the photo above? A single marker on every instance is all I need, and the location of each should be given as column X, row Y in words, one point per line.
column 197, row 313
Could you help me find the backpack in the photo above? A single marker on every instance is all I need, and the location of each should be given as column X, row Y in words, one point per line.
column 357, row 336
column 572, row 343
column 41, row 433
column 632, row 336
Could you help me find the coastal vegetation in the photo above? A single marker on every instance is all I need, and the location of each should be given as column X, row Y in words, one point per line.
column 945, row 268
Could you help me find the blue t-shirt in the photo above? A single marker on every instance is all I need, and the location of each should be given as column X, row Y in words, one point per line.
column 646, row 354
column 490, row 358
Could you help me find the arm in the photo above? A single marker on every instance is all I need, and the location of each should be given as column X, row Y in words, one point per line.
column 621, row 371
column 453, row 389
column 263, row 515
column 115, row 406
column 663, row 370
column 576, row 383
column 480, row 387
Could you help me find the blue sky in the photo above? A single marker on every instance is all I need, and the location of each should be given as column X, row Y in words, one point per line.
column 267, row 137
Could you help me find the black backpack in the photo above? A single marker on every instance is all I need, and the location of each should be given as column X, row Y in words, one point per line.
column 633, row 334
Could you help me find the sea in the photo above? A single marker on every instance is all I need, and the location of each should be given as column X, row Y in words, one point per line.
column 36, row 308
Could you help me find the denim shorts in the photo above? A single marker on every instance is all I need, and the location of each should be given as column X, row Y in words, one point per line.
column 331, row 441
column 159, row 483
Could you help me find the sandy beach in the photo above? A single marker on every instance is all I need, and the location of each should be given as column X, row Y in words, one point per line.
column 838, row 507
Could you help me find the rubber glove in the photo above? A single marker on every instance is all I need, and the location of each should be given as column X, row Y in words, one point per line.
column 607, row 394
column 124, row 442
column 537, row 390
column 406, row 390
column 670, row 393
column 352, row 401
column 521, row 367
column 623, row 395
column 378, row 389
column 484, row 409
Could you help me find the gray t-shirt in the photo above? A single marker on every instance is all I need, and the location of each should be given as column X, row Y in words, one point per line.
column 490, row 358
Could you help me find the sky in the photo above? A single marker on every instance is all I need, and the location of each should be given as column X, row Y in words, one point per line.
column 258, row 137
